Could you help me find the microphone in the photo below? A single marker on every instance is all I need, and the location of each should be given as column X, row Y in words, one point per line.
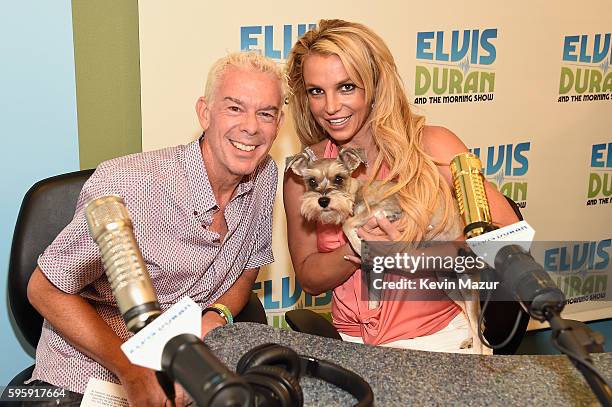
column 188, row 360
column 111, row 228
column 526, row 279
column 163, row 344
column 471, row 195
column 185, row 357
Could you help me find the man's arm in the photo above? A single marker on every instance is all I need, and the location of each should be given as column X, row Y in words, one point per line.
column 79, row 323
column 235, row 299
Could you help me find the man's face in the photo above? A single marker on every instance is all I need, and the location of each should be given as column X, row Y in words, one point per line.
column 240, row 122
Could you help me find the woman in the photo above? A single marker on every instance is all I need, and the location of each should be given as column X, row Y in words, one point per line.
column 347, row 92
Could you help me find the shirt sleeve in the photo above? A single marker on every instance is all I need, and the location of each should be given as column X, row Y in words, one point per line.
column 72, row 261
column 261, row 251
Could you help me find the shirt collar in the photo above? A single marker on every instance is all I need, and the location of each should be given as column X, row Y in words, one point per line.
column 199, row 184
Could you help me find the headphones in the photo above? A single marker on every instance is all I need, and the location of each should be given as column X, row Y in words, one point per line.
column 274, row 371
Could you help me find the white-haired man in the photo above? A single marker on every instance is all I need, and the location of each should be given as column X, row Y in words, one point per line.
column 202, row 217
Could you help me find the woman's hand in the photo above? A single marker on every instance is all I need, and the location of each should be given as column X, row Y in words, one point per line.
column 378, row 228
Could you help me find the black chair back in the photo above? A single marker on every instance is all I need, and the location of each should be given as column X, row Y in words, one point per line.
column 47, row 208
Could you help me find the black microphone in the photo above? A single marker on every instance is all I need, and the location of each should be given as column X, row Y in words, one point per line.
column 209, row 382
column 185, row 358
column 527, row 280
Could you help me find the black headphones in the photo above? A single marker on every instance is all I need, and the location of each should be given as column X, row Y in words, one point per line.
column 274, row 371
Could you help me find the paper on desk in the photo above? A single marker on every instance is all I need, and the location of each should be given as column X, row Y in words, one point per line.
column 100, row 393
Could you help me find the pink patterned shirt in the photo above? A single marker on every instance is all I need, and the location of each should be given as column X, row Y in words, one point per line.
column 171, row 203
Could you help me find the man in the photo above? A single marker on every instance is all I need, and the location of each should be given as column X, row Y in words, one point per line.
column 202, row 217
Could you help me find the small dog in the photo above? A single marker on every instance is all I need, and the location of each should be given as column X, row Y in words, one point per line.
column 334, row 197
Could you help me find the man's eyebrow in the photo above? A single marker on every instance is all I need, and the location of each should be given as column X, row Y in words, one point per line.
column 231, row 99
column 239, row 102
column 271, row 107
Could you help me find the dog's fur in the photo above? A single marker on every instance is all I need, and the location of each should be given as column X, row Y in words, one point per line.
column 332, row 196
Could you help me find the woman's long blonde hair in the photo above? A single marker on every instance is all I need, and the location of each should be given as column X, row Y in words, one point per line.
column 396, row 130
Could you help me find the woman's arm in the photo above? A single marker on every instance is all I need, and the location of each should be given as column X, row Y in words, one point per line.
column 316, row 272
column 443, row 145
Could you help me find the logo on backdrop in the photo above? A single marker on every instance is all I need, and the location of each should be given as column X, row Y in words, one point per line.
column 277, row 300
column 455, row 66
column 600, row 177
column 585, row 73
column 580, row 269
column 505, row 166
column 274, row 41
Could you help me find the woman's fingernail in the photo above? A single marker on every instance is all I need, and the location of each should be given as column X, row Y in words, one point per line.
column 346, row 257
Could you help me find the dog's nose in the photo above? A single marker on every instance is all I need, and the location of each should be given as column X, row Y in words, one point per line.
column 323, row 201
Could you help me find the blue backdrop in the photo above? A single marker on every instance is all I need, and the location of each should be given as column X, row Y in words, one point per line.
column 38, row 124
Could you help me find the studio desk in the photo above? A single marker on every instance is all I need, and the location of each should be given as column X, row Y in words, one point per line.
column 405, row 377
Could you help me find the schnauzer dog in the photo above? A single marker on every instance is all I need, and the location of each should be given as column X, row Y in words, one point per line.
column 333, row 196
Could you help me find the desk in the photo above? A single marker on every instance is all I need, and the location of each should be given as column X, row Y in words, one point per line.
column 405, row 377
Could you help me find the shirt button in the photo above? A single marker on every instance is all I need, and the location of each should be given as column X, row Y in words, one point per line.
column 195, row 213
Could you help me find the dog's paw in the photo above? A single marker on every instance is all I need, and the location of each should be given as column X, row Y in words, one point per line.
column 392, row 216
column 354, row 240
column 467, row 343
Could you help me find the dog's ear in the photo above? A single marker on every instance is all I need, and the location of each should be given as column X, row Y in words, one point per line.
column 298, row 163
column 352, row 158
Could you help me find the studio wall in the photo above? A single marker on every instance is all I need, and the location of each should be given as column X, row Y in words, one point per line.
column 38, row 127
column 70, row 99
column 509, row 80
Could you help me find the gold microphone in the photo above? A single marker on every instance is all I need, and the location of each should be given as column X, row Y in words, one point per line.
column 111, row 228
column 471, row 196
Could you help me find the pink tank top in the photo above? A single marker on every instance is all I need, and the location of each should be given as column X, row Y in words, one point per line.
column 391, row 320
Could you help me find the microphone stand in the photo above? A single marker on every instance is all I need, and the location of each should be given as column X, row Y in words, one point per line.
column 542, row 299
column 575, row 339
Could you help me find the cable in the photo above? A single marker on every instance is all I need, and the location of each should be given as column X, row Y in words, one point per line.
column 481, row 320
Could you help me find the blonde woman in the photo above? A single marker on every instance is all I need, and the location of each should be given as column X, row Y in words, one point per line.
column 346, row 91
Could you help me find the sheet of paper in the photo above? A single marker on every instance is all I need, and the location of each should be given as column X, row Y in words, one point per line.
column 146, row 347
column 100, row 393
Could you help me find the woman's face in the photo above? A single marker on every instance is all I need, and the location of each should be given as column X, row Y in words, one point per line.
column 336, row 103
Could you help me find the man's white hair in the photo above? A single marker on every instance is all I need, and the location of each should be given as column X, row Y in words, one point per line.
column 244, row 60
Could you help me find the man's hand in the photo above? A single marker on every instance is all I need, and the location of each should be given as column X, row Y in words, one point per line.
column 210, row 321
column 142, row 389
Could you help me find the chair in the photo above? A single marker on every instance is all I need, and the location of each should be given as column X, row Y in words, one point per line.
column 47, row 208
column 500, row 317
